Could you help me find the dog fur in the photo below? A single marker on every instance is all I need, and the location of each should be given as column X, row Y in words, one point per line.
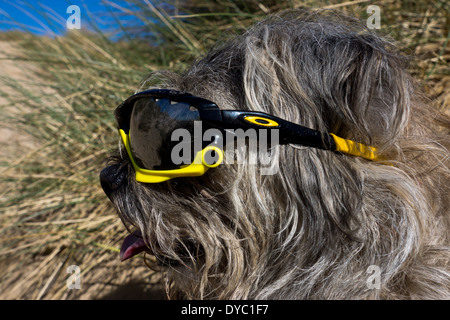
column 318, row 227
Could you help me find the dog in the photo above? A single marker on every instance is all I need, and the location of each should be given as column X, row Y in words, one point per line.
column 324, row 224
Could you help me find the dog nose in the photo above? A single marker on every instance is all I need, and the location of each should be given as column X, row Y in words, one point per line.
column 111, row 178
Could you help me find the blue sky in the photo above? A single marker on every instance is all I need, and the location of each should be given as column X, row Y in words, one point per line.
column 48, row 17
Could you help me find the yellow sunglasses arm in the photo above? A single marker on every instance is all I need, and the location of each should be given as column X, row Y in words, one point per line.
column 354, row 148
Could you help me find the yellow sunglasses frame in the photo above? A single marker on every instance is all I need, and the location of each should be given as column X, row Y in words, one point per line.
column 197, row 168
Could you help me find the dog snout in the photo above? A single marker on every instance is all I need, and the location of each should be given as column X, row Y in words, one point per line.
column 111, row 178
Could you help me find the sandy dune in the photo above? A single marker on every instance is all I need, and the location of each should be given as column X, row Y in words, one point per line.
column 15, row 143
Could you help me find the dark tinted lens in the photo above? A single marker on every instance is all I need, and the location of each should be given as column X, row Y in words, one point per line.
column 151, row 125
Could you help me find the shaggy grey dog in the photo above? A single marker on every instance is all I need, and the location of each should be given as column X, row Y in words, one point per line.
column 326, row 225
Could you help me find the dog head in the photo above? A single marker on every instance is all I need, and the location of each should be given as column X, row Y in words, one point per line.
column 312, row 227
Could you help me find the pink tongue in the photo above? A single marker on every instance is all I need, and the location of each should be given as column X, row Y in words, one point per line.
column 132, row 245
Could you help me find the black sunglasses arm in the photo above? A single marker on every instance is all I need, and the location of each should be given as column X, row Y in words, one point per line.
column 289, row 132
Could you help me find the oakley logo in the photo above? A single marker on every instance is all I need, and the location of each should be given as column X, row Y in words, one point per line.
column 261, row 121
column 249, row 146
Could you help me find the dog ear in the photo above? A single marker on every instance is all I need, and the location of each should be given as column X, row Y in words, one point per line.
column 366, row 89
column 331, row 77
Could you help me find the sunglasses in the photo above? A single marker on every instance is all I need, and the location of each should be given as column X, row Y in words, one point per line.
column 148, row 119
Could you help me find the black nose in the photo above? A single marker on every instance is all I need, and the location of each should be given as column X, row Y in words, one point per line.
column 111, row 178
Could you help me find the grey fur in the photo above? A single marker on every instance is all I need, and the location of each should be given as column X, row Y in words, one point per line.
column 312, row 230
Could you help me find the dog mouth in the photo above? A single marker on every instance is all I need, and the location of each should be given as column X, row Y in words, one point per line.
column 132, row 245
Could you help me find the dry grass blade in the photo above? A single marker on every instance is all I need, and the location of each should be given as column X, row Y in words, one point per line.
column 189, row 40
